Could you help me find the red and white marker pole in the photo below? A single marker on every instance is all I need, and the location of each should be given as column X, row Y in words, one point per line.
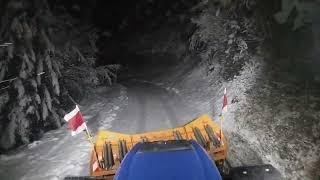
column 224, row 110
column 76, row 124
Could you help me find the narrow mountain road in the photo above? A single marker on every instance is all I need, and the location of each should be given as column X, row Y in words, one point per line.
column 134, row 106
column 151, row 107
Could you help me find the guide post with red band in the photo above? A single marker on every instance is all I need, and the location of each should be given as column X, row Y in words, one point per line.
column 224, row 110
column 75, row 121
column 225, row 101
column 76, row 124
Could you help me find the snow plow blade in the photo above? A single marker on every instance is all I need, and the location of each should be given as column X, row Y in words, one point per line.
column 111, row 147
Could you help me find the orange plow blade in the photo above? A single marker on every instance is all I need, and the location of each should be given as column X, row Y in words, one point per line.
column 111, row 147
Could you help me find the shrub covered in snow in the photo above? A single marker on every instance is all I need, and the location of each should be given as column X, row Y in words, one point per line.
column 41, row 52
column 273, row 115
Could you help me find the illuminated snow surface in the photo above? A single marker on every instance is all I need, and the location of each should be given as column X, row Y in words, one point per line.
column 135, row 106
column 264, row 123
column 58, row 154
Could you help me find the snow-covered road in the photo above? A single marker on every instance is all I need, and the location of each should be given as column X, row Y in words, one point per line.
column 152, row 107
column 135, row 106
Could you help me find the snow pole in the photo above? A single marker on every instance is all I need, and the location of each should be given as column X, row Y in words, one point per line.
column 224, row 110
column 77, row 124
column 90, row 138
column 221, row 119
column 71, row 99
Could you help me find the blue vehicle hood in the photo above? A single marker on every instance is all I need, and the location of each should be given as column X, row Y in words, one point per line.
column 186, row 162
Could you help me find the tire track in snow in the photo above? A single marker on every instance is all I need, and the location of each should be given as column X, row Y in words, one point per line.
column 151, row 107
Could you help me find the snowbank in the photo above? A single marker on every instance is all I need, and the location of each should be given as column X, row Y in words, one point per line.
column 270, row 119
